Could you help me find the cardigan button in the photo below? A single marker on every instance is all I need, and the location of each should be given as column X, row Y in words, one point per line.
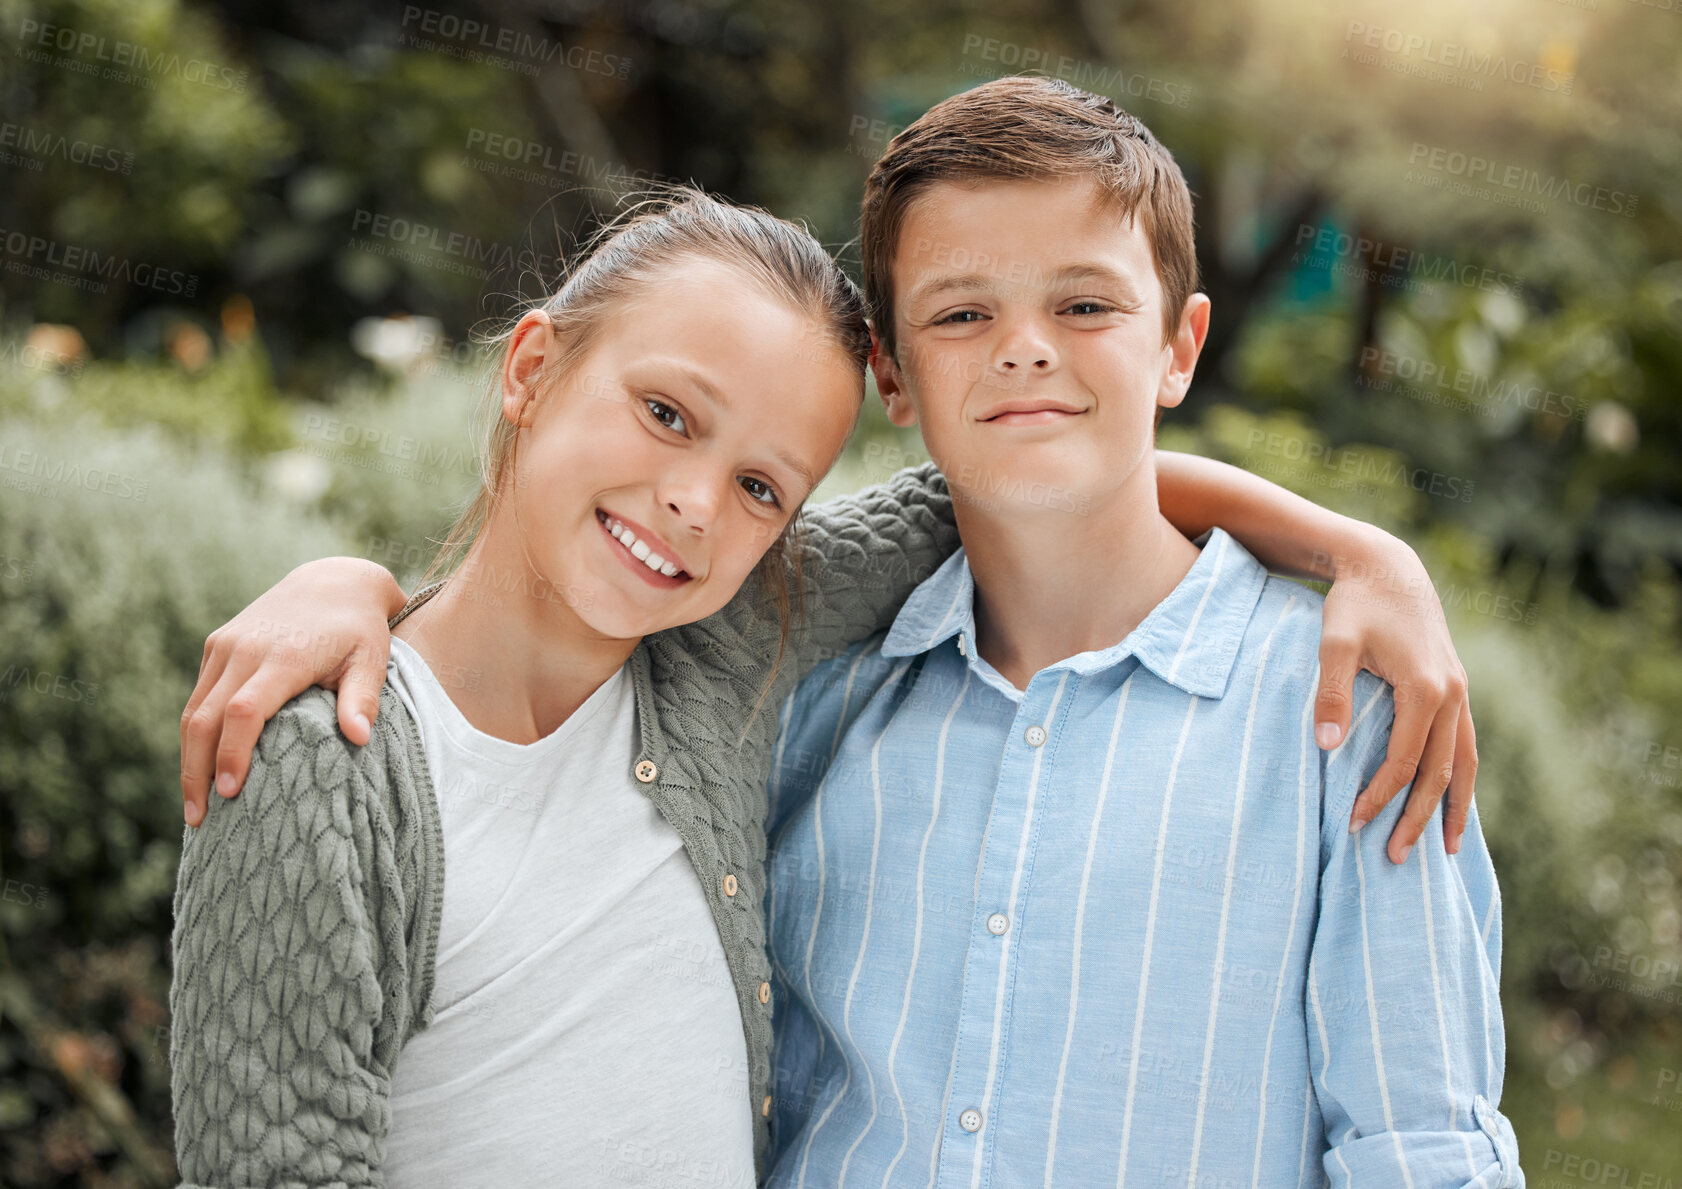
column 646, row 771
column 729, row 885
column 765, row 992
column 765, row 1107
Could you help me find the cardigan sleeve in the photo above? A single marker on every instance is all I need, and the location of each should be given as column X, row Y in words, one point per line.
column 859, row 557
column 291, row 995
column 864, row 555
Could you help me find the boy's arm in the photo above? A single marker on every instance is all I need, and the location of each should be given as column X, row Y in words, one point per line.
column 1381, row 614
column 323, row 624
column 1404, row 1016
column 283, row 1036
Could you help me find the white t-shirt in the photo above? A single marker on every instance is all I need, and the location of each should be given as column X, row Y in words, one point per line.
column 586, row 1028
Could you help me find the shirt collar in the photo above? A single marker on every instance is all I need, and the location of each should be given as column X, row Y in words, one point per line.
column 1190, row 639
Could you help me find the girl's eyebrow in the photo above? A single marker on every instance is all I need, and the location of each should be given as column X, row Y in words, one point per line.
column 704, row 386
column 799, row 468
column 717, row 397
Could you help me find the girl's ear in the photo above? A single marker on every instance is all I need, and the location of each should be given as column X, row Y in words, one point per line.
column 528, row 349
column 890, row 385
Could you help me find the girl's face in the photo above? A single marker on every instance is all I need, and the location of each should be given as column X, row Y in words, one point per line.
column 652, row 477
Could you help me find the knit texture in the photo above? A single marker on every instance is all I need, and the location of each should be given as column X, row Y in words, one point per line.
column 306, row 918
column 307, row 908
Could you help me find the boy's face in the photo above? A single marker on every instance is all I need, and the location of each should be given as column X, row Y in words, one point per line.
column 1030, row 349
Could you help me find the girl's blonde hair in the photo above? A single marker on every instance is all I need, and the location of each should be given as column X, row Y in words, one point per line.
column 627, row 254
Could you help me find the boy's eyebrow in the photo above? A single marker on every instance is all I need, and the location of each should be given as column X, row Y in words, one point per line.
column 1094, row 272
column 1066, row 275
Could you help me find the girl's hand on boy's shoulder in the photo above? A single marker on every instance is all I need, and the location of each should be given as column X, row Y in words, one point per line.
column 323, row 624
column 1382, row 614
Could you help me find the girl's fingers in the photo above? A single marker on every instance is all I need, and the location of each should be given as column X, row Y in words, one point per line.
column 1414, row 715
column 1436, row 767
column 1460, row 788
column 1340, row 660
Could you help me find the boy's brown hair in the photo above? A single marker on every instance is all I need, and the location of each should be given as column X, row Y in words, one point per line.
column 1029, row 128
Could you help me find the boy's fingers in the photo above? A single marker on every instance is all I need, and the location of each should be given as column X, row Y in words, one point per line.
column 258, row 698
column 202, row 729
column 1435, row 769
column 198, row 742
column 1340, row 660
column 1407, row 744
column 359, row 692
column 1460, row 788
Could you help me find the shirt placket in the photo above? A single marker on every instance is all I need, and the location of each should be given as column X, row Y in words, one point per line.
column 1004, row 866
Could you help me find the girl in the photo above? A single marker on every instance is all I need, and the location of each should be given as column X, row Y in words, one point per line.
column 573, row 722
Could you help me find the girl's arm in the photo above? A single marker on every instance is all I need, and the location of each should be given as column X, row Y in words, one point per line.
column 289, row 1002
column 1382, row 614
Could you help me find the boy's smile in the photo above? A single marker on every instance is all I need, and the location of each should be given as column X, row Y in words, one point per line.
column 1031, row 339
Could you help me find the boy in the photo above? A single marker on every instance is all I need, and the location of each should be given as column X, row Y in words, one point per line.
column 1061, row 886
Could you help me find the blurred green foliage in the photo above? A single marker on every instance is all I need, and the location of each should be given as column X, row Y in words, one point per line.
column 195, row 436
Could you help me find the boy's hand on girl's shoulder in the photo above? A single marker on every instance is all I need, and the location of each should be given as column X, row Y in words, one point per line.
column 323, row 624
column 1382, row 614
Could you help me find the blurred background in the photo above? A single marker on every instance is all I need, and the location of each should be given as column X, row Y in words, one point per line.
column 245, row 250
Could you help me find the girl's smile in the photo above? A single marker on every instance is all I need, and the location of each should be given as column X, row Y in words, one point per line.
column 651, row 558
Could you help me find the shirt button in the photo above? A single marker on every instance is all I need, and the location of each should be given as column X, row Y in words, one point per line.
column 729, row 885
column 1035, row 736
column 997, row 923
column 970, row 1120
column 765, row 992
column 963, row 649
column 646, row 771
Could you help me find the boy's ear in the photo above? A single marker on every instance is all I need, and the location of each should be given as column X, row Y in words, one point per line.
column 1183, row 349
column 890, row 384
column 528, row 350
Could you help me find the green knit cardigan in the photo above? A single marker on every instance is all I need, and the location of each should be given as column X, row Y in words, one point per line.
column 307, row 908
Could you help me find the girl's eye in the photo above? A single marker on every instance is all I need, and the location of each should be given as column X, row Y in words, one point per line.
column 666, row 415
column 959, row 317
column 760, row 490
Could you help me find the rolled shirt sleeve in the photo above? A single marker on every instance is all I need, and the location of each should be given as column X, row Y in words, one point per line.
column 1404, row 1013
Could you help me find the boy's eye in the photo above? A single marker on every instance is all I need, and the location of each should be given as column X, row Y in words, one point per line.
column 1089, row 307
column 666, row 415
column 960, row 316
column 760, row 490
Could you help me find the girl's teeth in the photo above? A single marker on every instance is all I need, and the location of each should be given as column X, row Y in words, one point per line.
column 640, row 550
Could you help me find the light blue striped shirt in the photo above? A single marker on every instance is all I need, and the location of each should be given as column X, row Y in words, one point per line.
column 1113, row 929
